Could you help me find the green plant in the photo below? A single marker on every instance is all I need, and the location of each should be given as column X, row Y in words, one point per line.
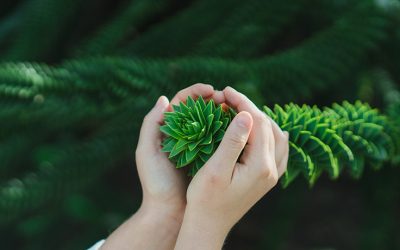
column 194, row 131
column 77, row 77
column 344, row 136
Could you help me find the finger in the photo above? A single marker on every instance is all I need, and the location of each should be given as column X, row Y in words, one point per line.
column 284, row 155
column 240, row 102
column 150, row 134
column 198, row 89
column 261, row 143
column 281, row 141
column 232, row 144
column 218, row 97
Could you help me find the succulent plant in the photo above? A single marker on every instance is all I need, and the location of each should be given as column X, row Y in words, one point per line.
column 194, row 131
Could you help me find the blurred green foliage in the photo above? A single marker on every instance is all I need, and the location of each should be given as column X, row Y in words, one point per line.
column 77, row 77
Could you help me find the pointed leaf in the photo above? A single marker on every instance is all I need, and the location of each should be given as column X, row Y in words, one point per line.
column 207, row 149
column 190, row 102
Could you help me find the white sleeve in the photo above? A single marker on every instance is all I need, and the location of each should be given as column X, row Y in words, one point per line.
column 97, row 245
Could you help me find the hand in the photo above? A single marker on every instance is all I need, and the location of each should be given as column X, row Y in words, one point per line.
column 163, row 185
column 225, row 189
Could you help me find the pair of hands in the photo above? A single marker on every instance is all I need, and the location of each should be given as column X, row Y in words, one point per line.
column 201, row 213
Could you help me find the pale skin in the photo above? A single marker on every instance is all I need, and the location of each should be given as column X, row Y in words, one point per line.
column 176, row 214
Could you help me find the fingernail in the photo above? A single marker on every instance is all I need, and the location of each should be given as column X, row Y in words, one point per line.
column 243, row 120
column 162, row 100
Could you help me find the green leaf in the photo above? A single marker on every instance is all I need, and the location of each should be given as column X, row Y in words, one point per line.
column 181, row 143
column 202, row 133
column 217, row 113
column 204, row 157
column 210, row 119
column 168, row 131
column 190, row 156
column 207, row 139
column 176, row 150
column 208, row 109
column 291, row 173
column 190, row 102
column 200, row 116
column 184, row 108
column 176, row 108
column 357, row 167
column 196, row 126
column 219, row 135
column 193, row 145
column 225, row 123
column 202, row 104
column 207, row 149
column 168, row 144
column 217, row 126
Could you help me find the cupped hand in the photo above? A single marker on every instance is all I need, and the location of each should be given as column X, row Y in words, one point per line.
column 230, row 183
column 164, row 187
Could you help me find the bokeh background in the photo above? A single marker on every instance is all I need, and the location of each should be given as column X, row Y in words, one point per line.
column 77, row 77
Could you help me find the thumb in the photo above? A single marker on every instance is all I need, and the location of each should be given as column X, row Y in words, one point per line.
column 225, row 157
column 150, row 135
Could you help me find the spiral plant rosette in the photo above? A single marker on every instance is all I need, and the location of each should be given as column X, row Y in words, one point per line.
column 194, row 131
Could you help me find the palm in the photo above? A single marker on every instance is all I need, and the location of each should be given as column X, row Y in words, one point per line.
column 161, row 181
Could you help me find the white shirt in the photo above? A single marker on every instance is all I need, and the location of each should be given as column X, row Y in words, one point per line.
column 97, row 245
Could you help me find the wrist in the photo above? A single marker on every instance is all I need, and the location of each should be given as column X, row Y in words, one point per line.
column 209, row 217
column 171, row 214
column 211, row 222
column 139, row 230
column 201, row 231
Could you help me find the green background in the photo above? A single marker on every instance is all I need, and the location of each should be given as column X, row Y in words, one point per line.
column 77, row 78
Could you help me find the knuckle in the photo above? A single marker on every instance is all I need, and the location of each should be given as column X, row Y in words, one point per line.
column 270, row 175
column 270, row 178
column 261, row 117
column 269, row 170
column 274, row 178
column 269, row 161
column 267, row 122
column 265, row 172
column 199, row 84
